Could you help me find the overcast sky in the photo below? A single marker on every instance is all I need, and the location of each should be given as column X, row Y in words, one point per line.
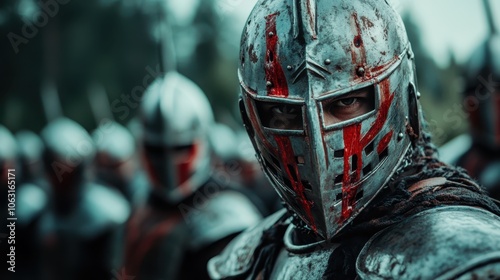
column 456, row 25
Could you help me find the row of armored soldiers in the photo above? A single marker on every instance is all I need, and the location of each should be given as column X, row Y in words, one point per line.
column 154, row 206
column 164, row 219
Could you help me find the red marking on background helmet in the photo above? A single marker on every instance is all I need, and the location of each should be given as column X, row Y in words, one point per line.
column 151, row 171
column 472, row 162
column 287, row 157
column 186, row 166
column 354, row 145
column 475, row 118
column 274, row 72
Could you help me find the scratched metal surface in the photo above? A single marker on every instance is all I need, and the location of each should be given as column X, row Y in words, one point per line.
column 442, row 243
column 303, row 52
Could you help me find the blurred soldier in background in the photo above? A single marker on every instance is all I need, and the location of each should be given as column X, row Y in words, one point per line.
column 232, row 161
column 32, row 195
column 114, row 164
column 190, row 214
column 30, row 149
column 252, row 176
column 479, row 151
column 329, row 100
column 83, row 230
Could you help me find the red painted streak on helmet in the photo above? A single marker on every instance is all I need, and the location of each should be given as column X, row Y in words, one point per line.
column 150, row 170
column 382, row 145
column 274, row 72
column 287, row 157
column 185, row 168
column 358, row 52
column 312, row 19
column 377, row 70
column 354, row 145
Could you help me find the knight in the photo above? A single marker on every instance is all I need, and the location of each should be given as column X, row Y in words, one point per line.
column 82, row 231
column 329, row 98
column 478, row 151
column 191, row 212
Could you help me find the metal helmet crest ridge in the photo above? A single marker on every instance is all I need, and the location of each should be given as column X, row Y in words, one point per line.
column 176, row 117
column 303, row 64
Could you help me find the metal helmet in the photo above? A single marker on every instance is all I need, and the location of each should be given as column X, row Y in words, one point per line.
column 8, row 154
column 68, row 152
column 482, row 93
column 30, row 149
column 223, row 142
column 329, row 100
column 115, row 154
column 176, row 117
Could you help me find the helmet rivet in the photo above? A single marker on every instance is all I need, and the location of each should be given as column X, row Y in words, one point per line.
column 271, row 34
column 328, row 61
column 289, row 67
column 269, row 84
column 400, row 136
column 360, row 71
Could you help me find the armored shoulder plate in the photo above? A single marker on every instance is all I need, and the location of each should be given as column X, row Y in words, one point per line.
column 99, row 209
column 237, row 258
column 103, row 208
column 216, row 216
column 32, row 200
column 452, row 242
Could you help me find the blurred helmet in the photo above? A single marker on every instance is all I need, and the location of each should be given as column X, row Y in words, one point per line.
column 30, row 149
column 68, row 152
column 115, row 150
column 176, row 118
column 482, row 93
column 223, row 142
column 329, row 100
column 8, row 153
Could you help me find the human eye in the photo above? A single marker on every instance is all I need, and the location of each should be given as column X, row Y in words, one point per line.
column 348, row 106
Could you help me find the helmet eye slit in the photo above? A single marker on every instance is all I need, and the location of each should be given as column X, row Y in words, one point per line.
column 282, row 116
column 340, row 109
